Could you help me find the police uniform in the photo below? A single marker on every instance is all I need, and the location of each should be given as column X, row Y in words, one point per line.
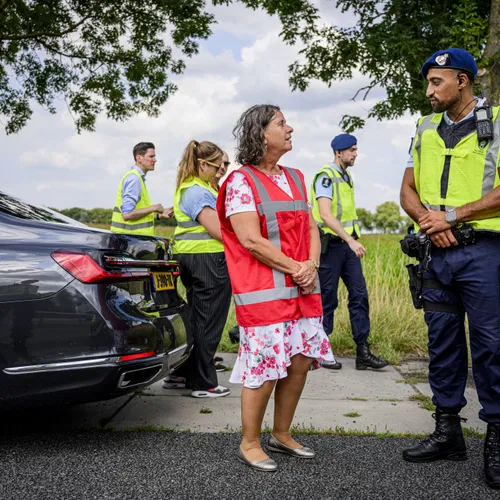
column 338, row 261
column 452, row 168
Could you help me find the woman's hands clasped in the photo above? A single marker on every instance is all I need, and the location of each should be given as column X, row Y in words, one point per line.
column 305, row 277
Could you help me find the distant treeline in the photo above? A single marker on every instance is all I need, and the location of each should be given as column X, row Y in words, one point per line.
column 102, row 216
column 386, row 219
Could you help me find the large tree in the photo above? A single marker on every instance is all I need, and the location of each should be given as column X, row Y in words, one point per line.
column 388, row 43
column 111, row 56
column 387, row 217
column 117, row 56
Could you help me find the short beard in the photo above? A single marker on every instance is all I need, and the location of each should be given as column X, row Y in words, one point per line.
column 441, row 107
column 345, row 164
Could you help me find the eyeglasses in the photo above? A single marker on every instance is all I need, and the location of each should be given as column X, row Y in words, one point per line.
column 225, row 163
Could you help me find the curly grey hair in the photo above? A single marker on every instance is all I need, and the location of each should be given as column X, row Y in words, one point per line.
column 249, row 133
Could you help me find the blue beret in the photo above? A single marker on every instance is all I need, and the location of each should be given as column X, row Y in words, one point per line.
column 343, row 141
column 450, row 59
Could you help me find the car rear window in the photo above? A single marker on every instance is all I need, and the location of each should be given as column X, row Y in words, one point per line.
column 17, row 208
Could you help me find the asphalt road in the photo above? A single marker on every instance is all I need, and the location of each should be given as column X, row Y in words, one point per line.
column 164, row 465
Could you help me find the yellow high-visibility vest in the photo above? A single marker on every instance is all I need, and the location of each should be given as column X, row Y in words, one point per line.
column 343, row 207
column 144, row 225
column 190, row 236
column 448, row 178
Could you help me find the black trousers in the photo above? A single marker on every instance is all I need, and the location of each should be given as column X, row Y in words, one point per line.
column 341, row 262
column 208, row 293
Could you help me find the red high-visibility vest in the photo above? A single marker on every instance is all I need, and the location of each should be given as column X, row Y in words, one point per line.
column 262, row 295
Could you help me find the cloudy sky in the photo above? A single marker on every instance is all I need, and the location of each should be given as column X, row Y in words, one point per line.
column 242, row 64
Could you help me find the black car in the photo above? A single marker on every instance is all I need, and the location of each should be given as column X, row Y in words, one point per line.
column 85, row 314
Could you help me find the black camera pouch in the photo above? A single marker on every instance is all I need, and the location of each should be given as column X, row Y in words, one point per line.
column 324, row 239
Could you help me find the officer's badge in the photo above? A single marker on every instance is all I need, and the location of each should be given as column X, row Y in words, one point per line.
column 442, row 59
column 483, row 144
column 327, row 182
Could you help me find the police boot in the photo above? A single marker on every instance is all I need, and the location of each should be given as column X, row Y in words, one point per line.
column 492, row 456
column 445, row 443
column 365, row 359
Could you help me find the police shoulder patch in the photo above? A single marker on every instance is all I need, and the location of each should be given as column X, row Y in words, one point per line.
column 327, row 182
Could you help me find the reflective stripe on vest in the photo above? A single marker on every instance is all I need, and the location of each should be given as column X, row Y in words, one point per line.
column 131, row 226
column 426, row 124
column 193, row 236
column 270, row 209
column 490, row 164
column 189, row 223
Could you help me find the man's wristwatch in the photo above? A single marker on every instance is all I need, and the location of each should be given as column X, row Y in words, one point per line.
column 451, row 217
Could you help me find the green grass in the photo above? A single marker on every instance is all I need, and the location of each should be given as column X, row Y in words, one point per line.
column 415, row 377
column 352, row 414
column 296, row 429
column 205, row 410
column 425, row 401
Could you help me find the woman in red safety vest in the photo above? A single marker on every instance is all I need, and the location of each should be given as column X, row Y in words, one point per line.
column 272, row 250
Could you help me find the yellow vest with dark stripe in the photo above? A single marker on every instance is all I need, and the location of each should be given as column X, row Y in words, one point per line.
column 472, row 171
column 144, row 225
column 190, row 236
column 343, row 207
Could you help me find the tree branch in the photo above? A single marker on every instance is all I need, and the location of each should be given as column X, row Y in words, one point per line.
column 44, row 34
column 49, row 48
column 368, row 88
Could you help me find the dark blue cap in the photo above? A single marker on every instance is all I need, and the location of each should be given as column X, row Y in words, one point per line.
column 450, row 59
column 343, row 141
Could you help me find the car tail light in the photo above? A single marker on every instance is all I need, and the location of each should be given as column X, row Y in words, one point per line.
column 139, row 355
column 85, row 269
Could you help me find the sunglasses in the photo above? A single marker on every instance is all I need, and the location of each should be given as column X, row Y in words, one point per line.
column 226, row 164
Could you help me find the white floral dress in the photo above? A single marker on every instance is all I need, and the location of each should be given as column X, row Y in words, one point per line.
column 265, row 351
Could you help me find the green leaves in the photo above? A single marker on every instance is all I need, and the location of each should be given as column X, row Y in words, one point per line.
column 387, row 217
column 101, row 56
column 389, row 43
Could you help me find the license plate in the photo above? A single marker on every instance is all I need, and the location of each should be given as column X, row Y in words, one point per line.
column 163, row 281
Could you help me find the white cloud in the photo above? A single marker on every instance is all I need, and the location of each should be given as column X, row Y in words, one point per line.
column 56, row 159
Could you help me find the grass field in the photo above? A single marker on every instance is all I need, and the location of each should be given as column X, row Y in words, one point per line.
column 397, row 329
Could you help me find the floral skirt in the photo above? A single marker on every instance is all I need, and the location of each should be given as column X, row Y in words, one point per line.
column 265, row 351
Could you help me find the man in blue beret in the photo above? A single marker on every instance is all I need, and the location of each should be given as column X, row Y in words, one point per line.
column 451, row 190
column 332, row 195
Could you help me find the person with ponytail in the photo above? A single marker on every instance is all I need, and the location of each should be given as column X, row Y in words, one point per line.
column 198, row 248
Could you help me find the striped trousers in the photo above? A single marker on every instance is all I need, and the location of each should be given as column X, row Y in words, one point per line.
column 208, row 293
